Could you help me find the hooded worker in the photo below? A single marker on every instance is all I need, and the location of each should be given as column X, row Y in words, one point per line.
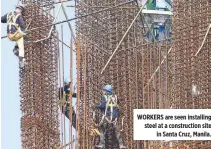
column 15, row 28
column 109, row 106
column 65, row 93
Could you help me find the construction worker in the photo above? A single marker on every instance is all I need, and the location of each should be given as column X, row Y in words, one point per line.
column 65, row 107
column 15, row 27
column 109, row 105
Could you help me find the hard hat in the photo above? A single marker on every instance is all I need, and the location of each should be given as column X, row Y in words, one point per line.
column 108, row 88
column 67, row 80
column 20, row 6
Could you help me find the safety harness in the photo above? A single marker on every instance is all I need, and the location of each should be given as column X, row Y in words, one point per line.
column 11, row 20
column 63, row 101
column 111, row 103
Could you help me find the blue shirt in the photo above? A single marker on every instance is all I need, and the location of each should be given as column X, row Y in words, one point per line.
column 102, row 107
column 19, row 21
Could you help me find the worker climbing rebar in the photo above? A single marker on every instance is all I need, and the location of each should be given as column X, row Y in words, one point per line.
column 109, row 105
column 64, row 93
column 15, row 31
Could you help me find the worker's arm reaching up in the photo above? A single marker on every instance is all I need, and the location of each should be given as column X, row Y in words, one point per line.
column 4, row 19
column 102, row 106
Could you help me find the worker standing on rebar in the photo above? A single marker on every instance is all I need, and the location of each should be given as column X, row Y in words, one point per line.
column 109, row 105
column 15, row 27
column 65, row 107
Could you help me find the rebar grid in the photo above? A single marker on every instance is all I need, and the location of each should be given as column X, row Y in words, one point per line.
column 189, row 31
column 156, row 79
column 191, row 78
column 98, row 36
column 144, row 75
column 39, row 82
column 156, row 75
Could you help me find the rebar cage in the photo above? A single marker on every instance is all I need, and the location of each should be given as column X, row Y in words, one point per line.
column 39, row 80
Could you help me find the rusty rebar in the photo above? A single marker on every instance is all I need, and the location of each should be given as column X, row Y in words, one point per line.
column 38, row 83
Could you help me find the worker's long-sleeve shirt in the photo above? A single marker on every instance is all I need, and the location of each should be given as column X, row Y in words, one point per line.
column 19, row 21
column 66, row 109
column 102, row 107
column 66, row 89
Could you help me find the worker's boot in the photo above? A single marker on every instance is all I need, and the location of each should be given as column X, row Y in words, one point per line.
column 101, row 146
column 102, row 141
column 119, row 138
column 121, row 146
column 22, row 62
column 16, row 50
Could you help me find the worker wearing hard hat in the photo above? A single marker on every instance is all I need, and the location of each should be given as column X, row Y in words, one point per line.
column 64, row 93
column 15, row 27
column 109, row 105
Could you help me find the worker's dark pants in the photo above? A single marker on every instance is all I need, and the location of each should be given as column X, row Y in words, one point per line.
column 103, row 131
column 66, row 112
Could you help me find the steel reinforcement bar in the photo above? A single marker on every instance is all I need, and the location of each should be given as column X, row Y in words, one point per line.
column 39, row 81
column 191, row 75
column 98, row 36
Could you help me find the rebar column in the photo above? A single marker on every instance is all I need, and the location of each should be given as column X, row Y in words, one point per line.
column 191, row 75
column 99, row 35
column 39, row 81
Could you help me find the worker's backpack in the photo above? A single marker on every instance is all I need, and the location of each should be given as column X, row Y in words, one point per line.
column 11, row 20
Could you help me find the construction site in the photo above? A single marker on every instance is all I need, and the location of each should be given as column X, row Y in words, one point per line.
column 156, row 54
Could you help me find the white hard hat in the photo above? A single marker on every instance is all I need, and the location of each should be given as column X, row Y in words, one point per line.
column 67, row 80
